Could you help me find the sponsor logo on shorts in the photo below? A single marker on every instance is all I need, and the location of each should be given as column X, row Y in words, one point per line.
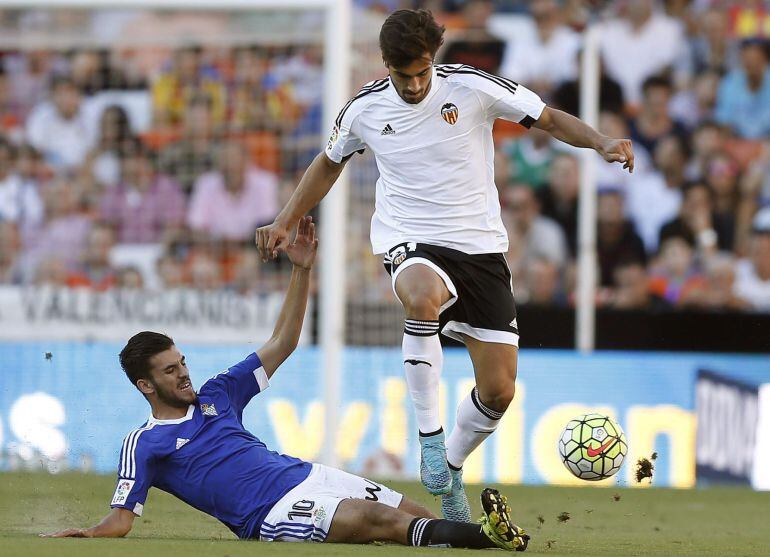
column 450, row 113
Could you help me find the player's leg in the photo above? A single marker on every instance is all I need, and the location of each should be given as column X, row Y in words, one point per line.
column 361, row 521
column 423, row 292
column 479, row 413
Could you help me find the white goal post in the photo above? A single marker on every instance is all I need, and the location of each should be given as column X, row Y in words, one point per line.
column 337, row 54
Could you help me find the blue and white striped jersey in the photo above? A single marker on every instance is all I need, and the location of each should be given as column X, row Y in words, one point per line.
column 208, row 459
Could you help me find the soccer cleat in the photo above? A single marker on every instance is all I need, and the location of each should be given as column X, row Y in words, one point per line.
column 496, row 522
column 454, row 504
column 434, row 470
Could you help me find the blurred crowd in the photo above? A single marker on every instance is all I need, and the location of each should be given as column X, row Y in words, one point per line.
column 140, row 167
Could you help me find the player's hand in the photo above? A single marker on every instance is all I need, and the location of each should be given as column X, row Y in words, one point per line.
column 271, row 239
column 618, row 150
column 68, row 533
column 302, row 250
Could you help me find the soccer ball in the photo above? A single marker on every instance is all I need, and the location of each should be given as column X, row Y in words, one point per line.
column 593, row 447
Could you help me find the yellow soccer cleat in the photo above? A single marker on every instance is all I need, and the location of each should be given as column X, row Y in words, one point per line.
column 496, row 522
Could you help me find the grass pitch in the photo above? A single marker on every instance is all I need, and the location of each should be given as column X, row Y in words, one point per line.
column 594, row 522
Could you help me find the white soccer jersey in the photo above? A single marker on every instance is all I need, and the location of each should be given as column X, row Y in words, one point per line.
column 435, row 158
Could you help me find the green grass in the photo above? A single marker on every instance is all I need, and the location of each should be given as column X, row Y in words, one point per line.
column 642, row 522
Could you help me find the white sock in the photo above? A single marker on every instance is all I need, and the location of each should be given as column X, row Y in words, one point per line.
column 475, row 422
column 423, row 360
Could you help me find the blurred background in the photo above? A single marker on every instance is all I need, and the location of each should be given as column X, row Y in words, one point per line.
column 140, row 149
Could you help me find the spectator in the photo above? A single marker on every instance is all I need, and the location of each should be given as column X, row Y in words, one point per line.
column 544, row 53
column 263, row 100
column 11, row 112
column 559, row 201
column 60, row 128
column 632, row 291
column 475, row 45
column 542, row 286
column 10, row 246
column 232, row 201
column 533, row 235
column 19, row 199
column 722, row 175
column 674, row 273
column 743, row 100
column 65, row 230
column 654, row 197
column 753, row 273
column 526, row 160
column 187, row 78
column 191, row 156
column 641, row 43
column 711, row 49
column 130, row 278
column 145, row 206
column 616, row 239
column 94, row 269
column 697, row 224
column 719, row 290
column 696, row 103
column 707, row 140
column 102, row 164
column 566, row 96
column 170, row 271
column 654, row 121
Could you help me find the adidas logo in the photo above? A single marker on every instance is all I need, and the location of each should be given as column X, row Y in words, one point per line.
column 387, row 130
column 513, row 323
column 181, row 442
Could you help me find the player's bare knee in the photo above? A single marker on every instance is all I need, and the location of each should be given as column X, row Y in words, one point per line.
column 499, row 397
column 422, row 303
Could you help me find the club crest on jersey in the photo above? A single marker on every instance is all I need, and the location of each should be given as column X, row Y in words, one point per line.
column 450, row 113
column 208, row 409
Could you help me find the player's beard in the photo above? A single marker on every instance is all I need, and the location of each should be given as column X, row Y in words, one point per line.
column 174, row 398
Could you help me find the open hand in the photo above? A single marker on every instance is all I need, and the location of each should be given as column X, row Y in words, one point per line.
column 618, row 150
column 302, row 250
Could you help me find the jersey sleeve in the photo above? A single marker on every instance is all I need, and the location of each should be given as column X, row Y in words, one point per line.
column 344, row 140
column 136, row 471
column 500, row 97
column 242, row 381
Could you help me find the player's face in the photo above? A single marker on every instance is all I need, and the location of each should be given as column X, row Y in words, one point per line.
column 412, row 82
column 171, row 379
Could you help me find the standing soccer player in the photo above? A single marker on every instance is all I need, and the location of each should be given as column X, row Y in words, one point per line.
column 437, row 222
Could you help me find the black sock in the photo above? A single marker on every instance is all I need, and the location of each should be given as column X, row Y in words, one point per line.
column 447, row 533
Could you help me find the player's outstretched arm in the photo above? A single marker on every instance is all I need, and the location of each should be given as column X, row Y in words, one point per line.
column 285, row 336
column 115, row 525
column 313, row 187
column 574, row 131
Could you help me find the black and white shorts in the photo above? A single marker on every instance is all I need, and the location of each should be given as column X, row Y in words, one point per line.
column 481, row 305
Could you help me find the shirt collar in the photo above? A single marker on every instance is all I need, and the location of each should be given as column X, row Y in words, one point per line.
column 186, row 417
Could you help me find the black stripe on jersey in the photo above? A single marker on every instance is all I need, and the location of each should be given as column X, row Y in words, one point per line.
column 470, row 70
column 379, row 85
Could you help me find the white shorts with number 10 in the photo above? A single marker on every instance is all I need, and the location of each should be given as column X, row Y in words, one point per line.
column 305, row 513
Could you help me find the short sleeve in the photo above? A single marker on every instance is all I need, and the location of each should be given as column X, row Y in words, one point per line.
column 343, row 143
column 241, row 382
column 345, row 139
column 136, row 471
column 499, row 97
column 522, row 106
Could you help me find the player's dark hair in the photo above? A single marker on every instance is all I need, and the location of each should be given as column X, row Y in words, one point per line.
column 407, row 35
column 135, row 356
